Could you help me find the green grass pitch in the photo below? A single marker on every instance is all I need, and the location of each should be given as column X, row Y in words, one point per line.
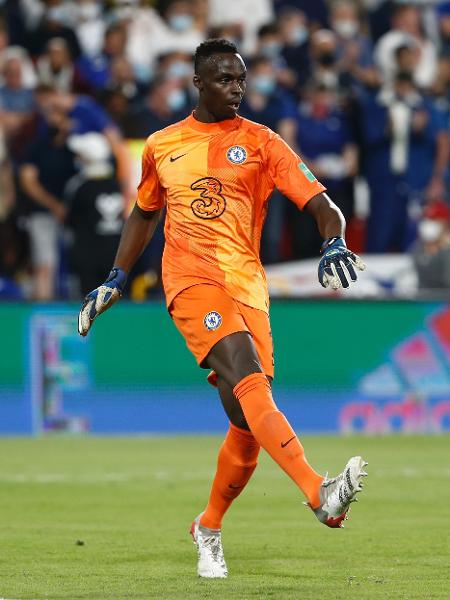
column 105, row 518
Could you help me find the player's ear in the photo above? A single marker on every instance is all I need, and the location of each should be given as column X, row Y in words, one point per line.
column 197, row 82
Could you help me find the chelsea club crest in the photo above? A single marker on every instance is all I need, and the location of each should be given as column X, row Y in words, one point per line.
column 237, row 155
column 212, row 320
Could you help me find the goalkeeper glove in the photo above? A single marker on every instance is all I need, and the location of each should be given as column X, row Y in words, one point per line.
column 101, row 299
column 337, row 265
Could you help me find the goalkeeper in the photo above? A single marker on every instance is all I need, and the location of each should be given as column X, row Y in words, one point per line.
column 214, row 171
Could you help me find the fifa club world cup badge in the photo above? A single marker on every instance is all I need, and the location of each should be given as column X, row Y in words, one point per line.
column 237, row 155
column 212, row 320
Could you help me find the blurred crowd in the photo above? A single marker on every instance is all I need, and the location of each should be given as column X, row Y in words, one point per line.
column 361, row 89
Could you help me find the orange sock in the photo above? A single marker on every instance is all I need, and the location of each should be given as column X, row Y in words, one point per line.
column 273, row 432
column 235, row 465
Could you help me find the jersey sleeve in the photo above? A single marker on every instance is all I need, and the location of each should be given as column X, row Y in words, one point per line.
column 289, row 173
column 150, row 195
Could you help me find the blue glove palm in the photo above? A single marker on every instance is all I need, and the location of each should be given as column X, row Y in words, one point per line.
column 337, row 265
column 101, row 299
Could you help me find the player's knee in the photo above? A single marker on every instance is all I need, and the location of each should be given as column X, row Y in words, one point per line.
column 238, row 419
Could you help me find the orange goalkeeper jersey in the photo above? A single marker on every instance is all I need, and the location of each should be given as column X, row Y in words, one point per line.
column 215, row 179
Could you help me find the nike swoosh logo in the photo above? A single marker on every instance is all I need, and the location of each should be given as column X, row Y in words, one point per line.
column 174, row 158
column 288, row 442
column 234, row 487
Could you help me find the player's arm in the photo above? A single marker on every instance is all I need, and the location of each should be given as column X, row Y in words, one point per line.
column 337, row 265
column 294, row 179
column 136, row 234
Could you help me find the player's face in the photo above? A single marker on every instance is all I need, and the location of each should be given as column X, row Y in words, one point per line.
column 221, row 84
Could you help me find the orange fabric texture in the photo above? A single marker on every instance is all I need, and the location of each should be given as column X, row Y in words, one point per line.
column 235, row 465
column 215, row 179
column 273, row 432
column 204, row 314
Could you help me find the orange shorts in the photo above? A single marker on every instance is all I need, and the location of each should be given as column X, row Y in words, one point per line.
column 204, row 314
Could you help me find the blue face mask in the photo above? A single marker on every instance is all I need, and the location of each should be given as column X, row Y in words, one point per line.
column 263, row 84
column 181, row 22
column 176, row 100
column 271, row 49
column 143, row 73
column 178, row 69
column 298, row 35
column 58, row 14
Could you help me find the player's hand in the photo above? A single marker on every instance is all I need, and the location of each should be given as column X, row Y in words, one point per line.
column 337, row 265
column 101, row 299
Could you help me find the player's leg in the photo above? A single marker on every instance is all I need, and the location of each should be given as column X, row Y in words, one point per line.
column 234, row 359
column 236, row 461
column 330, row 499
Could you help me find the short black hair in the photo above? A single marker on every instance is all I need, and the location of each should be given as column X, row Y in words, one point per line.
column 210, row 47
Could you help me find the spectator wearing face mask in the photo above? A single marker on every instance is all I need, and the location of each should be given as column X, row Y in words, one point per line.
column 270, row 46
column 324, row 58
column 166, row 103
column 431, row 253
column 295, row 32
column 186, row 31
column 353, row 46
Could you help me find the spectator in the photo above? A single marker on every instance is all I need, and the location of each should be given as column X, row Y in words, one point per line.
column 354, row 48
column 147, row 35
column 405, row 151
column 117, row 106
column 29, row 79
column 97, row 69
column 324, row 58
column 316, row 11
column 407, row 30
column 325, row 142
column 248, row 15
column 267, row 103
column 122, row 77
column 85, row 116
column 54, row 23
column 95, row 210
column 16, row 100
column 183, row 26
column 270, row 46
column 294, row 30
column 431, row 253
column 43, row 175
column 56, row 68
column 89, row 26
column 166, row 103
column 326, row 145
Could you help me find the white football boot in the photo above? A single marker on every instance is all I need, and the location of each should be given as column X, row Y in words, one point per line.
column 211, row 562
column 338, row 493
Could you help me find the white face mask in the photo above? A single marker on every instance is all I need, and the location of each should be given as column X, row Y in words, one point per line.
column 430, row 230
column 346, row 28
